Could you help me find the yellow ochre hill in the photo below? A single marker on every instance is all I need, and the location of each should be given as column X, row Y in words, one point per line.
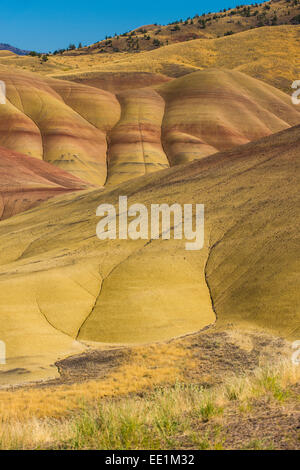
column 207, row 121
column 62, row 288
column 149, row 234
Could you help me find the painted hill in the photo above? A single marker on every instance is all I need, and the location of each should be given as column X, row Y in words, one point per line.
column 125, row 291
column 102, row 137
column 25, row 182
column 60, row 122
column 215, row 110
column 118, row 82
column 192, row 117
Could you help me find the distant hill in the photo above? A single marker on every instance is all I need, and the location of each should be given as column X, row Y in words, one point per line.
column 201, row 26
column 269, row 53
column 15, row 50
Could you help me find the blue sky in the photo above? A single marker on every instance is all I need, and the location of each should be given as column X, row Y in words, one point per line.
column 45, row 26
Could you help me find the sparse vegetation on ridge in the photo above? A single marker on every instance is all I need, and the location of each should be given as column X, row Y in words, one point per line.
column 206, row 25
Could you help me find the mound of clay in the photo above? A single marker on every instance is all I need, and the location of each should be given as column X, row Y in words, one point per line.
column 87, row 131
column 26, row 181
column 117, row 82
column 59, row 283
column 215, row 110
column 60, row 122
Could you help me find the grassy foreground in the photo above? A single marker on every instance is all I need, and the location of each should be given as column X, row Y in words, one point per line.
column 254, row 411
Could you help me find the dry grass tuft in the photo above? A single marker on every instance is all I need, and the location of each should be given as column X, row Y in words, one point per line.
column 166, row 417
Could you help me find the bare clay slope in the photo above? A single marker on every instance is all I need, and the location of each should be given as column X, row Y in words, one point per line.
column 115, row 82
column 103, row 138
column 59, row 283
column 192, row 117
column 25, row 182
column 214, row 110
column 61, row 122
